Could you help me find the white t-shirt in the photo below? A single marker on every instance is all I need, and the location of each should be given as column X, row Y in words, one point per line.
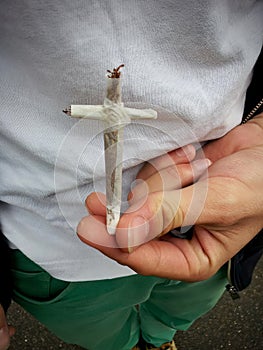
column 190, row 61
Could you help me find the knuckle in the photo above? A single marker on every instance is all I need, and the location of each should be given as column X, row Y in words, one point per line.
column 172, row 173
column 82, row 225
column 205, row 274
column 141, row 271
column 203, row 271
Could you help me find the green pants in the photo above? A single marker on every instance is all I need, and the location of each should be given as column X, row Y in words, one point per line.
column 99, row 315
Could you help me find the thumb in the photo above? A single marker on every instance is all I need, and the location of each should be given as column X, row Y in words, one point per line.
column 157, row 214
column 161, row 212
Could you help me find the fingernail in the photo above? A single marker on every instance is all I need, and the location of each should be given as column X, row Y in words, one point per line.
column 201, row 165
column 185, row 151
column 137, row 232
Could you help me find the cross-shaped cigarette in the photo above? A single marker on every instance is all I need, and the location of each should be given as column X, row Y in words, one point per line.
column 115, row 117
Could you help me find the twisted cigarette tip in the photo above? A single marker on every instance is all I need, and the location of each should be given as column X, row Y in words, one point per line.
column 115, row 73
column 67, row 111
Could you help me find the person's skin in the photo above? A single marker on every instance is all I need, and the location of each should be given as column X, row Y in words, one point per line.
column 231, row 216
column 232, row 213
column 6, row 331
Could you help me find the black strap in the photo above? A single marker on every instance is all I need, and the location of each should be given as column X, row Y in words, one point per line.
column 255, row 90
column 5, row 275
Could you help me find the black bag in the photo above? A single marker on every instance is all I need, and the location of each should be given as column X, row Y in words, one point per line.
column 6, row 282
column 242, row 265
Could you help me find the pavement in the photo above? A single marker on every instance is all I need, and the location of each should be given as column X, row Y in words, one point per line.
column 235, row 325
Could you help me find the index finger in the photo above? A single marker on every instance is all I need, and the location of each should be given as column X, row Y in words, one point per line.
column 179, row 156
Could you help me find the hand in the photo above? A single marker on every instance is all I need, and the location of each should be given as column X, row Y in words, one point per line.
column 231, row 216
column 5, row 331
column 178, row 172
